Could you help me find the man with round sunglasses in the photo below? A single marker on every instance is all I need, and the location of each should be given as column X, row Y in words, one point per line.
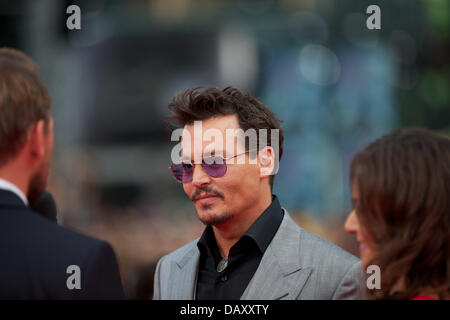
column 251, row 248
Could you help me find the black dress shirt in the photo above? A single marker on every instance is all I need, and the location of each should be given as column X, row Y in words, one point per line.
column 243, row 259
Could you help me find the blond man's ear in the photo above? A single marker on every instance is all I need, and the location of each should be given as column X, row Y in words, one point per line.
column 36, row 140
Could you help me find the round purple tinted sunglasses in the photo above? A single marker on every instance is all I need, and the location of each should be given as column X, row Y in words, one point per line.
column 214, row 166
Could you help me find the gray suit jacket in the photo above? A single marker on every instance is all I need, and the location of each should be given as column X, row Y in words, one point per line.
column 296, row 265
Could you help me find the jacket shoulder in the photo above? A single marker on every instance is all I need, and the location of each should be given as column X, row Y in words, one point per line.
column 336, row 272
column 57, row 233
column 314, row 249
column 180, row 253
column 44, row 251
column 325, row 249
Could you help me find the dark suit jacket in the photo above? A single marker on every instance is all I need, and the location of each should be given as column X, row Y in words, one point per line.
column 35, row 254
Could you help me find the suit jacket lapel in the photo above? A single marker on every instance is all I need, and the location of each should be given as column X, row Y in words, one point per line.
column 280, row 274
column 184, row 279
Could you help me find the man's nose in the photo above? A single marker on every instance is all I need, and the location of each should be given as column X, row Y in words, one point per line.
column 352, row 223
column 200, row 177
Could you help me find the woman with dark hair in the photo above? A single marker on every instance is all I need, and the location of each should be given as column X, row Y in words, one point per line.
column 401, row 217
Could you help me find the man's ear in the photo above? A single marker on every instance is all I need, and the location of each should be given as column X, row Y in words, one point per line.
column 266, row 161
column 36, row 140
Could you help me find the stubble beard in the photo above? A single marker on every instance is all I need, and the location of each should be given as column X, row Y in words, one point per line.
column 214, row 218
column 38, row 183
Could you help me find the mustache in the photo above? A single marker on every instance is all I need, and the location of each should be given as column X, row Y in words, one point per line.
column 206, row 189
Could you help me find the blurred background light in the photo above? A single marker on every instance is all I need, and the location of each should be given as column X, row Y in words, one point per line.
column 319, row 65
column 356, row 34
column 308, row 27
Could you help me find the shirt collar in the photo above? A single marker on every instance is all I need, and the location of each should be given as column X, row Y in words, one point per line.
column 264, row 228
column 208, row 241
column 261, row 231
column 6, row 185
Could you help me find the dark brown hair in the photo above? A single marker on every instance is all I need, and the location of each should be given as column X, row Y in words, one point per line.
column 403, row 180
column 193, row 105
column 24, row 100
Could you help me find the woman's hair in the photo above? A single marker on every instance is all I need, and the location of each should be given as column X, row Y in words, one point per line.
column 403, row 180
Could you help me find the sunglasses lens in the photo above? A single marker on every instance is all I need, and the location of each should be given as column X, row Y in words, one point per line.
column 182, row 172
column 215, row 167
